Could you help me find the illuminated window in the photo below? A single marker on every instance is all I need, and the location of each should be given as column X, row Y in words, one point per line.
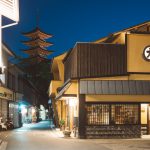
column 124, row 114
column 105, row 114
column 97, row 114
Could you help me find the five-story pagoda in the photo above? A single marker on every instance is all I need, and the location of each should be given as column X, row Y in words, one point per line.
column 37, row 46
column 37, row 65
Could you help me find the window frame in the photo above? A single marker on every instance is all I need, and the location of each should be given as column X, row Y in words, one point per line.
column 110, row 113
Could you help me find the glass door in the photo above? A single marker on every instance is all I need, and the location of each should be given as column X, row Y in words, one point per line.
column 144, row 119
column 149, row 119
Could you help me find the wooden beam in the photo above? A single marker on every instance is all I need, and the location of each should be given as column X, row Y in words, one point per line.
column 82, row 117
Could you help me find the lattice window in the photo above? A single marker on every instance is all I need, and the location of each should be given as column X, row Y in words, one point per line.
column 105, row 114
column 125, row 114
column 97, row 114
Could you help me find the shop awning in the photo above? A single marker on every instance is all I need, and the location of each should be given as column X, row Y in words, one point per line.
column 115, row 87
column 63, row 93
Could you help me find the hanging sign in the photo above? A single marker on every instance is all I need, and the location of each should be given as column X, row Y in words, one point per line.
column 6, row 93
column 146, row 53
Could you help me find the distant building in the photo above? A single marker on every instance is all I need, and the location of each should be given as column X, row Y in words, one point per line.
column 57, row 69
column 37, row 63
column 102, row 89
column 6, row 94
column 15, row 90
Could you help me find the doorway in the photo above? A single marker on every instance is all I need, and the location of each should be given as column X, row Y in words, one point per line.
column 145, row 119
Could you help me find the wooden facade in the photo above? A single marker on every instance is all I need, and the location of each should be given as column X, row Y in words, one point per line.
column 113, row 96
column 70, row 65
column 89, row 60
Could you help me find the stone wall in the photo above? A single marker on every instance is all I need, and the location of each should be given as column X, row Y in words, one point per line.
column 113, row 131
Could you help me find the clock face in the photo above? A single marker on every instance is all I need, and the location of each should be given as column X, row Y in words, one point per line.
column 146, row 53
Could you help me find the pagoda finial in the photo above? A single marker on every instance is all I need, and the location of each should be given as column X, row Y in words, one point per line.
column 37, row 17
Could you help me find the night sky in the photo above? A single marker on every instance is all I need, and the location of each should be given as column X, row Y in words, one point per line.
column 72, row 21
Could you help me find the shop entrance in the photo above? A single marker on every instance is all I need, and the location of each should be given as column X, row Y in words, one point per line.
column 148, row 119
column 145, row 119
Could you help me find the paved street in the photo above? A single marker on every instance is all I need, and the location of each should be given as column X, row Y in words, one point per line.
column 41, row 136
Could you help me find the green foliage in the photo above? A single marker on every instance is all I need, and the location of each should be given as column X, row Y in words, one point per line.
column 62, row 122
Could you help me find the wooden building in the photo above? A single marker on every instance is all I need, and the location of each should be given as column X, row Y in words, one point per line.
column 105, row 89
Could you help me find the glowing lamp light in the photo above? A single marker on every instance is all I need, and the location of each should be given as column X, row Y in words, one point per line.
column 24, row 111
column 144, row 107
column 33, row 110
column 72, row 102
column 22, row 106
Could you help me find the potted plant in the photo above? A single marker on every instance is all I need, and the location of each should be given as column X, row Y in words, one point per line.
column 67, row 132
column 62, row 124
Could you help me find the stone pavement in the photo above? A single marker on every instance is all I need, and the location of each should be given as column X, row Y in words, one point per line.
column 115, row 144
column 43, row 136
column 3, row 138
column 124, row 144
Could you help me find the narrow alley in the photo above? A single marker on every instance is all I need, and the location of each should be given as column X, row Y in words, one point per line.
column 42, row 136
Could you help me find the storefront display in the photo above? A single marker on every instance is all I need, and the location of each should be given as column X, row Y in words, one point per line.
column 106, row 114
column 3, row 109
column 14, row 113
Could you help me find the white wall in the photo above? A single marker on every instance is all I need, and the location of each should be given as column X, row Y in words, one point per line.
column 5, row 56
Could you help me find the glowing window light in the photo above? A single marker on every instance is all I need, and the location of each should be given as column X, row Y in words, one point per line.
column 33, row 110
column 72, row 102
column 22, row 106
column 23, row 109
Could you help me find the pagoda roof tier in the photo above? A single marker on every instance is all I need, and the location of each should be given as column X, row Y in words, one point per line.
column 37, row 42
column 34, row 59
column 37, row 33
column 38, row 51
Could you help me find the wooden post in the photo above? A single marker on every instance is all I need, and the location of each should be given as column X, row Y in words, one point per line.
column 82, row 116
column 55, row 119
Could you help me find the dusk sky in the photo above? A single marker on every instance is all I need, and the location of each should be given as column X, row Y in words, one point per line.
column 72, row 21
